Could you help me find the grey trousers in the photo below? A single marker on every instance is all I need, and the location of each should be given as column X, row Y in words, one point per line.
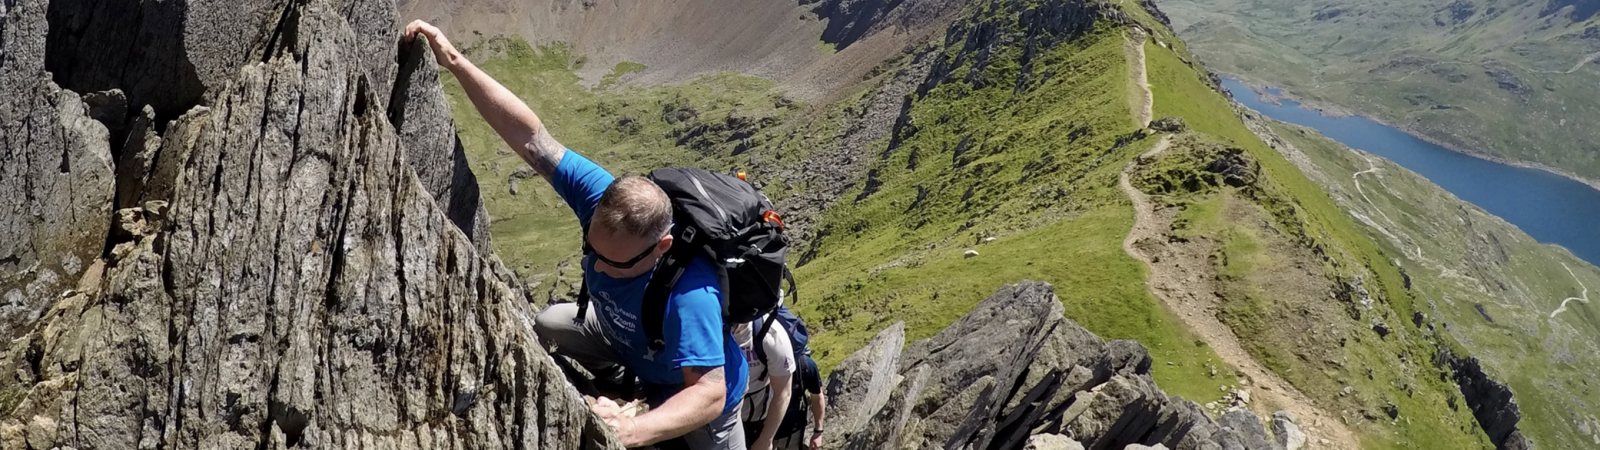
column 562, row 333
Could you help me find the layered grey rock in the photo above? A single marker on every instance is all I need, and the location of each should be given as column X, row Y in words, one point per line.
column 1051, row 442
column 420, row 112
column 165, row 54
column 1246, row 429
column 281, row 275
column 56, row 174
column 169, row 53
column 1007, row 376
column 860, row 385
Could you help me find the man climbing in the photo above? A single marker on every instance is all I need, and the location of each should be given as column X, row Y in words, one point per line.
column 693, row 379
column 766, row 397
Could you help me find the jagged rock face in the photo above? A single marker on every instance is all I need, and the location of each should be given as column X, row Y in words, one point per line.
column 851, row 20
column 56, row 176
column 1491, row 402
column 421, row 113
column 1010, row 371
column 169, row 53
column 287, row 279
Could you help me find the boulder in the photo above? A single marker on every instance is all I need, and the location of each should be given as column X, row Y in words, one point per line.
column 1286, row 431
column 1011, row 374
column 1051, row 442
column 1246, row 429
column 860, row 385
column 1169, row 124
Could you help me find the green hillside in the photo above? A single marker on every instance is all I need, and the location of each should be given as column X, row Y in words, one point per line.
column 1011, row 145
column 1499, row 78
column 1480, row 280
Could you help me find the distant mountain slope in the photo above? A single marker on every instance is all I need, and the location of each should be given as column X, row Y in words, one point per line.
column 813, row 48
column 1521, row 307
column 1498, row 78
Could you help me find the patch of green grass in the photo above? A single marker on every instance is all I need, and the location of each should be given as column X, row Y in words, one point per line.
column 826, row 47
column 622, row 69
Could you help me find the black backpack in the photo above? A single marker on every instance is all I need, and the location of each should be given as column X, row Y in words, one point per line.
column 725, row 219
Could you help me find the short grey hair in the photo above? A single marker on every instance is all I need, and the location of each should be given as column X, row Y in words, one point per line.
column 636, row 206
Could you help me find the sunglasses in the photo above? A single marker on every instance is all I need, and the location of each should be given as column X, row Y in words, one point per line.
column 620, row 264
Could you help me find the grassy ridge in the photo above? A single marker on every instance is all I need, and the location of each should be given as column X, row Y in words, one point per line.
column 1400, row 370
column 1036, row 170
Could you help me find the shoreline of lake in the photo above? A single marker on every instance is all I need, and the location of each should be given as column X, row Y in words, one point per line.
column 1337, row 112
column 1547, row 204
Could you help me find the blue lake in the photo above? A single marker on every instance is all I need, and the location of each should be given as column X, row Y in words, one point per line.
column 1549, row 207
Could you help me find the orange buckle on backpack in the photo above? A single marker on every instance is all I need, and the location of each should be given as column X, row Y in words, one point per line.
column 772, row 216
column 741, row 175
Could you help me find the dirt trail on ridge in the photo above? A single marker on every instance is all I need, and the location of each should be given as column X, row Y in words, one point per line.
column 1143, row 100
column 1177, row 287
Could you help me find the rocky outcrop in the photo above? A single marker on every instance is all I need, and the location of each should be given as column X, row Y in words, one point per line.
column 169, row 53
column 1035, row 27
column 289, row 270
column 56, row 173
column 420, row 112
column 1007, row 376
column 1491, row 402
column 852, row 20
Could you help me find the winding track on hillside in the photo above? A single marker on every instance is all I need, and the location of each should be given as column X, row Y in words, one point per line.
column 1322, row 429
column 1582, row 297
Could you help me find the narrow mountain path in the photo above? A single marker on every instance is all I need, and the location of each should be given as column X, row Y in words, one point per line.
column 1143, row 101
column 1173, row 286
column 1372, row 168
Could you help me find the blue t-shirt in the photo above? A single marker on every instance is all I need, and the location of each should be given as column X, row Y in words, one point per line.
column 692, row 329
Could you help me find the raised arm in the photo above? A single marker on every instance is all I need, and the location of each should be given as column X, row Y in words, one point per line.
column 507, row 114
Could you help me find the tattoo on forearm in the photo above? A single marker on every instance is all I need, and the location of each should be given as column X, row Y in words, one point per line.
column 546, row 152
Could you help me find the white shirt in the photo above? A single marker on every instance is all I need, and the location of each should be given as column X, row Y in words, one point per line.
column 779, row 352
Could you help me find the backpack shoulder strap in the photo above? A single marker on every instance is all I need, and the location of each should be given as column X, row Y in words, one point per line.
column 654, row 307
column 665, row 278
column 656, row 293
column 583, row 277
